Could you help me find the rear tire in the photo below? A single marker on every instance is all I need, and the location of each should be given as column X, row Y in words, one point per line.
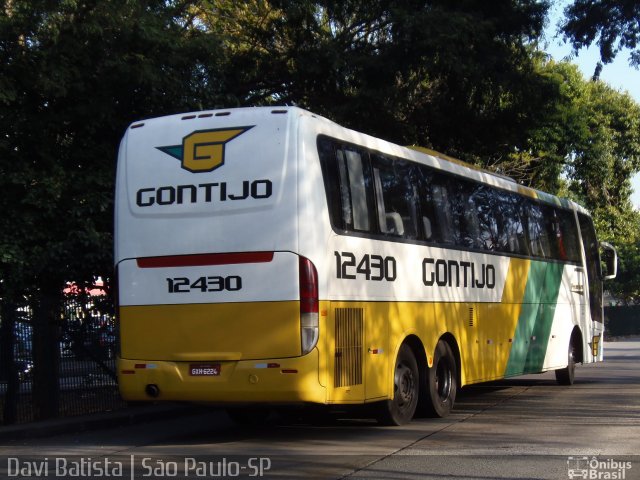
column 442, row 382
column 401, row 409
column 567, row 375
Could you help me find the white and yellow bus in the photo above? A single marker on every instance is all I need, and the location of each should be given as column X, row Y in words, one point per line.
column 270, row 256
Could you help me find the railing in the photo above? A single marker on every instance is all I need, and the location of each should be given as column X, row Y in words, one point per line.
column 622, row 321
column 86, row 348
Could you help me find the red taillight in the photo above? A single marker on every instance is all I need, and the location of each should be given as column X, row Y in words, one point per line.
column 115, row 288
column 309, row 327
column 207, row 259
column 308, row 286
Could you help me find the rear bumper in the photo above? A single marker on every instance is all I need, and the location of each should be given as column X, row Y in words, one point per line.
column 283, row 380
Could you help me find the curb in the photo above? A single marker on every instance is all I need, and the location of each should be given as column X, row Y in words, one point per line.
column 97, row 421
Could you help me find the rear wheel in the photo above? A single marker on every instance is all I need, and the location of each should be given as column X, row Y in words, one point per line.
column 567, row 375
column 442, row 382
column 401, row 409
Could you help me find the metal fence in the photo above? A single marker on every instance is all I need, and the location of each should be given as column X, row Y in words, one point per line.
column 622, row 321
column 86, row 344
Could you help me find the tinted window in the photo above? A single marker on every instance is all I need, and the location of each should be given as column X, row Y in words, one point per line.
column 568, row 236
column 465, row 208
column 435, row 208
column 509, row 217
column 385, row 196
column 535, row 229
column 396, row 196
column 347, row 184
column 594, row 275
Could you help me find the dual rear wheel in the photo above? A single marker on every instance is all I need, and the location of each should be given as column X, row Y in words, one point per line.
column 442, row 383
column 431, row 393
column 416, row 390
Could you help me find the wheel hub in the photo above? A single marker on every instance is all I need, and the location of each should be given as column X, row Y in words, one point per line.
column 404, row 382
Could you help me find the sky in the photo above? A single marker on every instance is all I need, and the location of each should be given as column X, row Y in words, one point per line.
column 618, row 74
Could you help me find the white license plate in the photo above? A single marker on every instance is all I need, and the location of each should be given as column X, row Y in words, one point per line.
column 204, row 369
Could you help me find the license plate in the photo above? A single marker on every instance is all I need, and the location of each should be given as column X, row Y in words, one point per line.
column 204, row 369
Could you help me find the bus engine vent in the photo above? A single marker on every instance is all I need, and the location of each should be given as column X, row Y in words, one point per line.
column 349, row 345
column 471, row 317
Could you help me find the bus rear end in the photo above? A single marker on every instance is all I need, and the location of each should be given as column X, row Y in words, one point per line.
column 215, row 305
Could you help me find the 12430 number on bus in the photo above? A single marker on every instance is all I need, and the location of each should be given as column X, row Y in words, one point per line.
column 371, row 267
column 232, row 283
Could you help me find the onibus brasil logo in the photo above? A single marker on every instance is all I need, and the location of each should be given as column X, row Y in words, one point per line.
column 595, row 468
column 203, row 150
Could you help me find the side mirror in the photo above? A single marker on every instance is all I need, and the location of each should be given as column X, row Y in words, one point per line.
column 610, row 260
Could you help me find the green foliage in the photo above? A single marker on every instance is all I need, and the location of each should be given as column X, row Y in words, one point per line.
column 74, row 75
column 605, row 155
column 613, row 24
column 626, row 286
column 463, row 77
column 587, row 148
column 412, row 72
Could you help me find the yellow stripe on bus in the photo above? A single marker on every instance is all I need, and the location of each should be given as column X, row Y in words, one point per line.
column 201, row 332
column 484, row 333
column 528, row 192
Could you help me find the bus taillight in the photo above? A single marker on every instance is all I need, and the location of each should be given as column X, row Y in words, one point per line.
column 308, row 304
column 115, row 288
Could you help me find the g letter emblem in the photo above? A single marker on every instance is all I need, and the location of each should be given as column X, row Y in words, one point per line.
column 203, row 150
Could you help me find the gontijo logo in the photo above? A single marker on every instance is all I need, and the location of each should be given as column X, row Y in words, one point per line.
column 203, row 150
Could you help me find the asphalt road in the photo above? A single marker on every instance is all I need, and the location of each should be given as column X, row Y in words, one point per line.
column 523, row 428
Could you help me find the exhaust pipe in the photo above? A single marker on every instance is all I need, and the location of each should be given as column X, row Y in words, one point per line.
column 152, row 390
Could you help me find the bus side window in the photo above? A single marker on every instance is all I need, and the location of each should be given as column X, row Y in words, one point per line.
column 353, row 192
column 556, row 239
column 465, row 215
column 569, row 232
column 427, row 228
column 515, row 226
column 488, row 225
column 387, row 221
column 537, row 230
column 347, row 183
column 471, row 224
column 396, row 197
column 594, row 272
column 442, row 212
column 431, row 200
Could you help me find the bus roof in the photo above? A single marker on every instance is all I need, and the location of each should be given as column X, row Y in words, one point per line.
column 416, row 153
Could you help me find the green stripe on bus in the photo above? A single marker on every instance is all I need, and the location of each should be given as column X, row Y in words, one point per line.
column 536, row 318
column 552, row 199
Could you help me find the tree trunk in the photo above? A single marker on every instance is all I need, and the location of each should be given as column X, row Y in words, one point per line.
column 8, row 370
column 46, row 354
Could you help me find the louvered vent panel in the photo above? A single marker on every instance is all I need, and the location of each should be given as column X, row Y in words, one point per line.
column 349, row 344
column 471, row 317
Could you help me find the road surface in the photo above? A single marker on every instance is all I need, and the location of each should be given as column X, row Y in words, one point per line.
column 528, row 427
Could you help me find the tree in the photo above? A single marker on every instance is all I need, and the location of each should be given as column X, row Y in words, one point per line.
column 613, row 24
column 591, row 139
column 605, row 154
column 626, row 286
column 412, row 72
column 74, row 75
column 462, row 76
